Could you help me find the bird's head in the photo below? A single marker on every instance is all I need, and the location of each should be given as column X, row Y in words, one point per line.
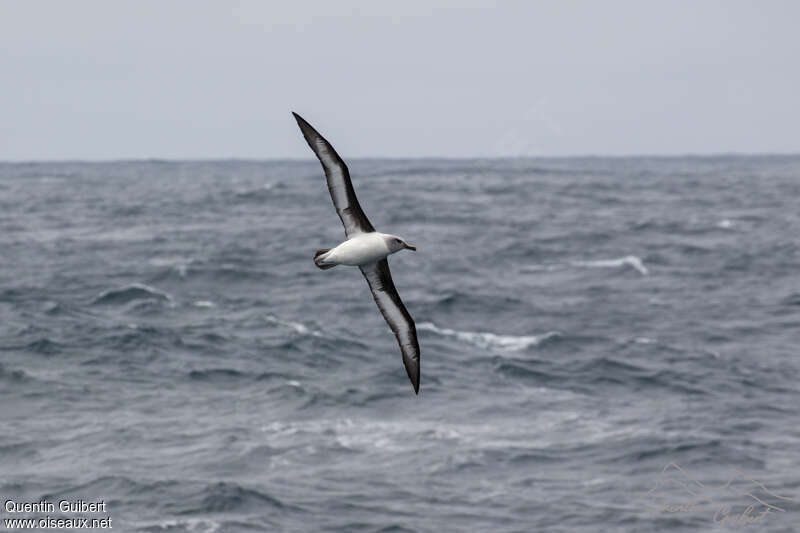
column 395, row 244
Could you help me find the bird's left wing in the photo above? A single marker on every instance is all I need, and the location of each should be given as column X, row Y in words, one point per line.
column 341, row 188
column 396, row 315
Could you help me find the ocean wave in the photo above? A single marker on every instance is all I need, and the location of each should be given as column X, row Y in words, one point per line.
column 132, row 337
column 539, row 268
column 187, row 525
column 130, row 293
column 214, row 271
column 44, row 346
column 725, row 224
column 489, row 340
column 519, row 371
column 177, row 264
column 615, row 372
column 672, row 451
column 365, row 434
column 552, row 431
column 257, row 193
column 298, row 327
column 16, row 452
column 628, row 260
column 115, row 485
column 13, row 376
column 222, row 376
column 590, row 376
column 791, row 300
column 193, row 497
column 55, row 309
column 226, row 497
column 216, row 375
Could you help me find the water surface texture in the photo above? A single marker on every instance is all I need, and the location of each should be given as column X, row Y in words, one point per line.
column 168, row 346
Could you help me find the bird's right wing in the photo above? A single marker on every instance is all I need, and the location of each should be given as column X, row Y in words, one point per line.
column 396, row 315
column 339, row 184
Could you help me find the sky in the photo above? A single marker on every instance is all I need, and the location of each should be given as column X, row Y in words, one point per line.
column 99, row 80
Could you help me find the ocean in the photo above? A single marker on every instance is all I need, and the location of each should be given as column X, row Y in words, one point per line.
column 607, row 344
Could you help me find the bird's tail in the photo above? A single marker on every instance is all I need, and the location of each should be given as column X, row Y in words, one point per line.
column 319, row 261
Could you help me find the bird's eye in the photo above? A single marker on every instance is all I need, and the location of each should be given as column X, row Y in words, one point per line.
column 397, row 241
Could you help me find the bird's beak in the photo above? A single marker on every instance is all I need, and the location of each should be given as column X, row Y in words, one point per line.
column 409, row 247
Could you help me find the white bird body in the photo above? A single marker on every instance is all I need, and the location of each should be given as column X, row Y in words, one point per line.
column 358, row 250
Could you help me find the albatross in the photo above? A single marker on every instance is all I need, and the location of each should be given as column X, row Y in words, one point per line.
column 365, row 248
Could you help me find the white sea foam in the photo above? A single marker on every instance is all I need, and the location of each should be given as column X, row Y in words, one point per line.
column 510, row 343
column 298, row 327
column 134, row 291
column 540, row 268
column 203, row 303
column 725, row 224
column 192, row 525
column 255, row 191
column 628, row 260
column 552, row 428
column 177, row 263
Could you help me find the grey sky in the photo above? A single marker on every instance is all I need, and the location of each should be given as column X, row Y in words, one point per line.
column 190, row 79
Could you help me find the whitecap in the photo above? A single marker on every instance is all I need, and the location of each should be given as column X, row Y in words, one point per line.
column 725, row 224
column 298, row 327
column 167, row 260
column 129, row 293
column 203, row 303
column 256, row 191
column 539, row 268
column 552, row 428
column 177, row 263
column 491, row 340
column 192, row 525
column 628, row 260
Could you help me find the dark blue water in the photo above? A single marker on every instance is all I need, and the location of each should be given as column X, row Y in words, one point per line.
column 168, row 346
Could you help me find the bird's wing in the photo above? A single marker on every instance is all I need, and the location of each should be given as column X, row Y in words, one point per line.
column 339, row 184
column 396, row 315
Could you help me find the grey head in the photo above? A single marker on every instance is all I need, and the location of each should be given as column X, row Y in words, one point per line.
column 395, row 244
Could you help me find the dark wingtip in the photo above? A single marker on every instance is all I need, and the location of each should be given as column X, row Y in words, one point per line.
column 308, row 131
column 413, row 375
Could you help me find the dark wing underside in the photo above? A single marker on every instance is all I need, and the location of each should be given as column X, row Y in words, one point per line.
column 339, row 184
column 396, row 315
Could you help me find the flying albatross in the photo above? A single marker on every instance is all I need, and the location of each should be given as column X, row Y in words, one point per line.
column 365, row 248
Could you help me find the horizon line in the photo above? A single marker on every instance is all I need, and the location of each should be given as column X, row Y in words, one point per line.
column 677, row 155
